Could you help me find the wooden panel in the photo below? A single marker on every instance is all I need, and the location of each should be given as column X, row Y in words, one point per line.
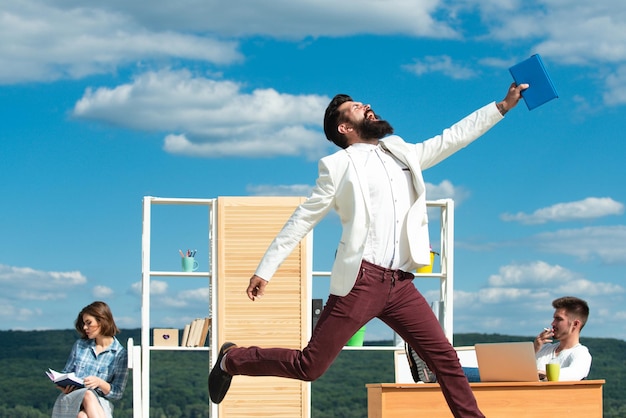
column 246, row 226
column 581, row 399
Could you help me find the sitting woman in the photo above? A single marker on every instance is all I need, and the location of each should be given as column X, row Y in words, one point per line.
column 100, row 360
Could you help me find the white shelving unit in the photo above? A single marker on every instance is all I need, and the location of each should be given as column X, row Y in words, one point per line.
column 445, row 275
column 445, row 304
column 147, row 274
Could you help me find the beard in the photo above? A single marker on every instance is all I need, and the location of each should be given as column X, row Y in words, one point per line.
column 373, row 129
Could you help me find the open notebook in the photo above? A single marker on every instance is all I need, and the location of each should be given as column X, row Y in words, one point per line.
column 507, row 362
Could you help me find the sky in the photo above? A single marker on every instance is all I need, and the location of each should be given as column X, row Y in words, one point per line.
column 103, row 104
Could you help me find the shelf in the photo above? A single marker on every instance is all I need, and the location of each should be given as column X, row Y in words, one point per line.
column 429, row 275
column 180, row 274
column 176, row 348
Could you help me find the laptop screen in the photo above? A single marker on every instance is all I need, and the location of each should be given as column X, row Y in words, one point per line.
column 507, row 362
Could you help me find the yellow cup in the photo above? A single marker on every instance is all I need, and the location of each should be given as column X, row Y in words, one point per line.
column 428, row 269
column 552, row 371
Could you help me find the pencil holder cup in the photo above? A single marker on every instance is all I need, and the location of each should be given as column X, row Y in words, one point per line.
column 189, row 264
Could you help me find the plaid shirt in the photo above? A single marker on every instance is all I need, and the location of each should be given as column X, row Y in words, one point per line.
column 110, row 365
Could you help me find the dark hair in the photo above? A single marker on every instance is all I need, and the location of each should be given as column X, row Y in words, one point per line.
column 573, row 306
column 333, row 118
column 104, row 317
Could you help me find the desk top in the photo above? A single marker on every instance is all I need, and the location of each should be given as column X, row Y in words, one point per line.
column 488, row 384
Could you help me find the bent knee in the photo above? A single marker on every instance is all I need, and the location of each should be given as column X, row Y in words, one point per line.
column 311, row 374
column 90, row 396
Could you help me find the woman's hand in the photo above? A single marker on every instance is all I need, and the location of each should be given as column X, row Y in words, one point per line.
column 93, row 382
column 67, row 389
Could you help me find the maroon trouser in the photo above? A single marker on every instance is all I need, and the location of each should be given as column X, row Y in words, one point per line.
column 378, row 292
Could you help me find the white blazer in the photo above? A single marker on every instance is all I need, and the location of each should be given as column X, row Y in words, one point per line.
column 341, row 186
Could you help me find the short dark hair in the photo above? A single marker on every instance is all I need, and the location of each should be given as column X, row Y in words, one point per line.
column 102, row 313
column 573, row 306
column 333, row 118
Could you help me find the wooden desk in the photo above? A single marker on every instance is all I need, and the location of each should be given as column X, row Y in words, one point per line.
column 503, row 399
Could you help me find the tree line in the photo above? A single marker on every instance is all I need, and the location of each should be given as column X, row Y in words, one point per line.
column 178, row 379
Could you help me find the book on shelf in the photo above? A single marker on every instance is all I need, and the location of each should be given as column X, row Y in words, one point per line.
column 65, row 379
column 206, row 324
column 183, row 341
column 540, row 86
column 195, row 333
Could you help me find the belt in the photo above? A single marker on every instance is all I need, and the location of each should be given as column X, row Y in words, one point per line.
column 387, row 273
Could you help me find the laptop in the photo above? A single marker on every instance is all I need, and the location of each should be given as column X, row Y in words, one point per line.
column 507, row 362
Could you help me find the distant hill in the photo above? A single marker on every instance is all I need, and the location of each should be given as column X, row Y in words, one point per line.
column 178, row 379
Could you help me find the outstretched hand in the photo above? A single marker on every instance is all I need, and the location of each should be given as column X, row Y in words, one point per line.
column 256, row 288
column 513, row 96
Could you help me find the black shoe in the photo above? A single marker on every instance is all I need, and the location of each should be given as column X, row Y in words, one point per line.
column 419, row 369
column 424, row 372
column 219, row 380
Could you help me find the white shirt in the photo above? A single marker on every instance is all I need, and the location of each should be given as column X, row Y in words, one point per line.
column 391, row 195
column 575, row 362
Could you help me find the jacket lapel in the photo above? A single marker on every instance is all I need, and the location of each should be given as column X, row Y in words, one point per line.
column 362, row 180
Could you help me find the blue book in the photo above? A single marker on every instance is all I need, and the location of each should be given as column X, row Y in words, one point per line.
column 533, row 72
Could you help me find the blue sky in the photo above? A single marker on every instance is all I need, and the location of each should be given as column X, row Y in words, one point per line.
column 104, row 104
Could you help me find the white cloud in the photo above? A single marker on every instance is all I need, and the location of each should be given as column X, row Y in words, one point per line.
column 615, row 93
column 589, row 288
column 8, row 310
column 604, row 242
column 288, row 19
column 279, row 190
column 598, row 35
column 71, row 39
column 589, row 208
column 216, row 118
column 43, row 42
column 440, row 64
column 443, row 190
column 518, row 299
column 157, row 287
column 573, row 32
column 28, row 283
column 535, row 273
column 102, row 292
column 202, row 295
column 199, row 298
column 446, row 190
column 21, row 286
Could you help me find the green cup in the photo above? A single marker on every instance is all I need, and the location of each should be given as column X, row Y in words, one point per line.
column 357, row 339
column 552, row 371
column 189, row 264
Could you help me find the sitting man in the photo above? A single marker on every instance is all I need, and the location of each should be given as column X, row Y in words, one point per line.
column 570, row 316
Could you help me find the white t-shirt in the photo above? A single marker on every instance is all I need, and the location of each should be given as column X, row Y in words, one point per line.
column 575, row 362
